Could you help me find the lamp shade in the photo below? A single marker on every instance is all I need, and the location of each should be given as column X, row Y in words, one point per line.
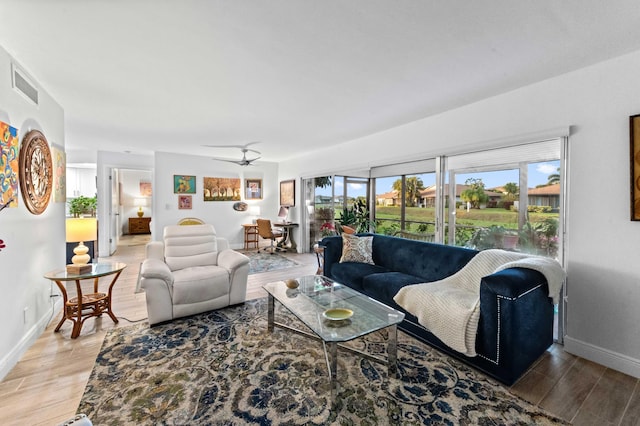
column 81, row 229
column 254, row 210
column 140, row 202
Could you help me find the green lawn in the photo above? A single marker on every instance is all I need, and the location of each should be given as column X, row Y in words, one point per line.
column 475, row 217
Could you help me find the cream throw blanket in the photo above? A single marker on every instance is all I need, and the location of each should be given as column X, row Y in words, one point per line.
column 450, row 308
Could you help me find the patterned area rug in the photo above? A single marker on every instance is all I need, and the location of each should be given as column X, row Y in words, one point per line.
column 263, row 262
column 223, row 368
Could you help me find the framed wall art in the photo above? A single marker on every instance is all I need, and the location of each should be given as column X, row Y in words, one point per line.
column 59, row 174
column 185, row 202
column 9, row 143
column 253, row 189
column 288, row 193
column 634, row 131
column 145, row 189
column 221, row 189
column 183, row 184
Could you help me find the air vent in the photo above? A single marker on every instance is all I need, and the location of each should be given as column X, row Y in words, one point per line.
column 23, row 85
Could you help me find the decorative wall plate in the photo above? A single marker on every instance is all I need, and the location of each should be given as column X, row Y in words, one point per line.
column 35, row 171
column 240, row 206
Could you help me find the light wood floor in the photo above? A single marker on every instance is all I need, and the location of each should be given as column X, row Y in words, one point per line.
column 46, row 386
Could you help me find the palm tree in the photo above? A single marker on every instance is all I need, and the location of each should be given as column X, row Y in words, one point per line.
column 413, row 186
column 511, row 188
column 554, row 178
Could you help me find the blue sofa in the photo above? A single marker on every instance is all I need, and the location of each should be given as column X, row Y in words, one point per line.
column 516, row 314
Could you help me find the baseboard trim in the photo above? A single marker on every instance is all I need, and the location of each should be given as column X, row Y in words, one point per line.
column 610, row 359
column 29, row 338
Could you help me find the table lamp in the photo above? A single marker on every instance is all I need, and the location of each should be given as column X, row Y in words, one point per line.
column 80, row 230
column 282, row 214
column 255, row 212
column 140, row 202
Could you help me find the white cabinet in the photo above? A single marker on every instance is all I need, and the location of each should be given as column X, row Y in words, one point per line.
column 81, row 181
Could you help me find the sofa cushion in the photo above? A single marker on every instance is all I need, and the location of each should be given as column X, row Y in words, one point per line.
column 431, row 261
column 352, row 273
column 356, row 249
column 383, row 286
column 199, row 283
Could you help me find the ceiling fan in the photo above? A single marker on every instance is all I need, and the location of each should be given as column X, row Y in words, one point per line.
column 244, row 148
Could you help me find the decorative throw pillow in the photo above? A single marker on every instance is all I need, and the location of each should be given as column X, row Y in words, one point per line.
column 357, row 249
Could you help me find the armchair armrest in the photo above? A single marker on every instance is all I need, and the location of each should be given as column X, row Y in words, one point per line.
column 157, row 281
column 155, row 250
column 238, row 266
column 155, row 268
column 231, row 259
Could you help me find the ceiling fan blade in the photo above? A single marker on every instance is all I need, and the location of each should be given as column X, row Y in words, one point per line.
column 228, row 161
column 243, row 148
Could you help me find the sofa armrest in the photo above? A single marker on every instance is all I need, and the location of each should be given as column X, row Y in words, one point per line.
column 516, row 319
column 512, row 282
column 155, row 250
column 332, row 253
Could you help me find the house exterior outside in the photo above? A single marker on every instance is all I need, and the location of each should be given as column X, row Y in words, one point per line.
column 545, row 196
column 428, row 195
column 388, row 199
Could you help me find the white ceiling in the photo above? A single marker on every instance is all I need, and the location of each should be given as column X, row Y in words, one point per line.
column 173, row 75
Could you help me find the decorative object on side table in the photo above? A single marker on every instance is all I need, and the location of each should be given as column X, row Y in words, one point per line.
column 292, row 283
column 79, row 230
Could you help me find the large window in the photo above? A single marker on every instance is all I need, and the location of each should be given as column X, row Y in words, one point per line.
column 507, row 198
column 405, row 205
column 331, row 201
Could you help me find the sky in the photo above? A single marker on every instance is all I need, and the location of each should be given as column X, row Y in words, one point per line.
column 538, row 175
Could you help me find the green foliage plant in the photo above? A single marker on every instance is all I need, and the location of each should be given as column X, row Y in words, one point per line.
column 357, row 217
column 83, row 206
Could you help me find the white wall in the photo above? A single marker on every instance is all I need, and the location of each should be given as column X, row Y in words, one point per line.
column 603, row 245
column 225, row 219
column 35, row 244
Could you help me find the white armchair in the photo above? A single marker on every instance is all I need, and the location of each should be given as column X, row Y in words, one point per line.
column 191, row 271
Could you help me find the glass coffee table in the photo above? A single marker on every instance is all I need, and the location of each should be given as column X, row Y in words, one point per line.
column 335, row 313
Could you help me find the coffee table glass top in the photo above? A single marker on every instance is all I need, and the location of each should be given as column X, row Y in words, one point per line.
column 353, row 315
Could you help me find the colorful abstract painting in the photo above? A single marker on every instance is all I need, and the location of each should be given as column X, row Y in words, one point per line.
column 183, row 184
column 221, row 189
column 59, row 175
column 8, row 165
